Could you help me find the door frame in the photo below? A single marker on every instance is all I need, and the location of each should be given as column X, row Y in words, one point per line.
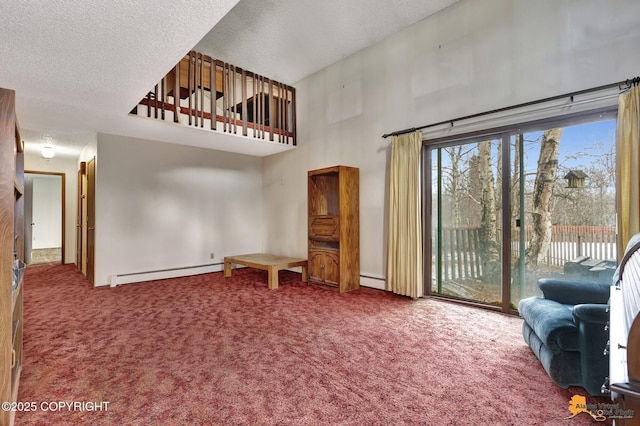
column 63, row 191
column 91, row 219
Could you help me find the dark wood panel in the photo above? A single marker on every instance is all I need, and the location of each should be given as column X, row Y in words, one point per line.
column 334, row 226
column 324, row 227
column 10, row 195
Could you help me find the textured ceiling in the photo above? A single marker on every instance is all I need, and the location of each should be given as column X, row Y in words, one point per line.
column 288, row 40
column 78, row 67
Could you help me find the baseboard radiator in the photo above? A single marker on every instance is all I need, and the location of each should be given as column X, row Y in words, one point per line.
column 160, row 274
column 371, row 281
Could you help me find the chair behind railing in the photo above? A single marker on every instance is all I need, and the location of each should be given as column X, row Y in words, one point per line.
column 244, row 102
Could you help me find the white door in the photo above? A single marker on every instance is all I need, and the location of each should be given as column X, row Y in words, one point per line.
column 46, row 212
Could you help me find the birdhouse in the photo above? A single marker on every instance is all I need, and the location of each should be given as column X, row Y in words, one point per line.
column 575, row 179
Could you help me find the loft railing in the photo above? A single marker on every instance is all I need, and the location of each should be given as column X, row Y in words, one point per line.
column 241, row 102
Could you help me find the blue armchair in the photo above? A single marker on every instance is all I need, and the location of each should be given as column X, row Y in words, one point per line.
column 566, row 331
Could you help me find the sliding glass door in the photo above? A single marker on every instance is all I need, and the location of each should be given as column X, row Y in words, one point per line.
column 466, row 217
column 526, row 203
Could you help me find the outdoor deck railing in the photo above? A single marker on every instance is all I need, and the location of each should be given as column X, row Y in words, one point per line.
column 570, row 242
column 201, row 91
column 461, row 257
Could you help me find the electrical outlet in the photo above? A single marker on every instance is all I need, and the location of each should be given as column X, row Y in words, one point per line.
column 212, row 256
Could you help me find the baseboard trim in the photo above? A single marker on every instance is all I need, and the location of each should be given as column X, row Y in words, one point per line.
column 159, row 274
column 369, row 281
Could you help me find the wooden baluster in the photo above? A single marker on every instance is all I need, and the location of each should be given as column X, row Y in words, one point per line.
column 214, row 91
column 281, row 111
column 258, row 95
column 262, row 108
column 149, row 104
column 272, row 112
column 229, row 98
column 163, row 89
column 201, row 57
column 189, row 86
column 256, row 101
column 198, row 90
column 224, row 97
column 220, row 69
column 293, row 114
column 245, row 113
column 265, row 106
column 287, row 113
column 195, row 89
column 254, row 89
column 176, row 96
column 278, row 112
column 155, row 102
column 233, row 99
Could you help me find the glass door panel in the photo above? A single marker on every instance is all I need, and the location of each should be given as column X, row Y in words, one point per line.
column 562, row 206
column 466, row 221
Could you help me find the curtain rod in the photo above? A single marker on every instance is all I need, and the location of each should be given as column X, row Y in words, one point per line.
column 622, row 85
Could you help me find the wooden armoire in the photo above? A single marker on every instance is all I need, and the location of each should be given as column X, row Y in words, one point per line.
column 11, row 253
column 334, row 227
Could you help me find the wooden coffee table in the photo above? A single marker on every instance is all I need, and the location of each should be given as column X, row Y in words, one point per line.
column 267, row 262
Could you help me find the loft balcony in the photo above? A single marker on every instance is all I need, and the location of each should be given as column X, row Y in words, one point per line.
column 242, row 103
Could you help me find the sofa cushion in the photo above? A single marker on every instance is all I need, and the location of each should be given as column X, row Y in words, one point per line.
column 572, row 292
column 552, row 322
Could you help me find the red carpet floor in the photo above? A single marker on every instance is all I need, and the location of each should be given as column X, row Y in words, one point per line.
column 206, row 350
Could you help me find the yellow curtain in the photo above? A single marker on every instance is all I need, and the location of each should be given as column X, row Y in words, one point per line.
column 404, row 250
column 628, row 167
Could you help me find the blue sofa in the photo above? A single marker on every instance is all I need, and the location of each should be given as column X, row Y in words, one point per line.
column 566, row 331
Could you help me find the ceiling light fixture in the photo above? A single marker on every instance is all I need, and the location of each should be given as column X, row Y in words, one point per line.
column 48, row 152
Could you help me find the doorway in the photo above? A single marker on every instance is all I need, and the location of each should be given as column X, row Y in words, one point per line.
column 44, row 217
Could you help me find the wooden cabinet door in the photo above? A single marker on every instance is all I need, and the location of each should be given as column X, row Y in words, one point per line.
column 332, row 267
column 316, row 260
column 324, row 266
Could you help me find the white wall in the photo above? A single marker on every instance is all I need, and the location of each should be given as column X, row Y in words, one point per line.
column 472, row 57
column 69, row 167
column 162, row 206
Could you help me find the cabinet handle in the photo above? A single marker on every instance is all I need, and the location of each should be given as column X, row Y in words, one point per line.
column 13, row 358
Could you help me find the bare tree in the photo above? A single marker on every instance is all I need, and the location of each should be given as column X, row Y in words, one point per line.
column 455, row 155
column 542, row 197
column 456, row 184
column 489, row 218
